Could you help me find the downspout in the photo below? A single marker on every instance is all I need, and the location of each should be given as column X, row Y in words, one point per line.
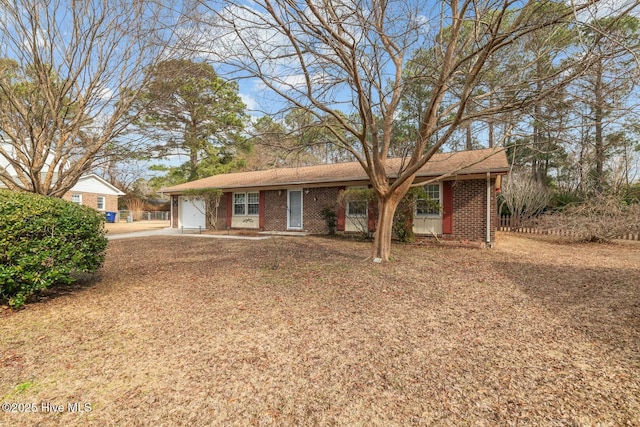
column 488, row 242
column 174, row 211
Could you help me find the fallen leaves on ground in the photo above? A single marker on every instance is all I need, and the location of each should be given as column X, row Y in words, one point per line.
column 308, row 331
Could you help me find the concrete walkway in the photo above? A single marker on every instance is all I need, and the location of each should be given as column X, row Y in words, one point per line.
column 178, row 232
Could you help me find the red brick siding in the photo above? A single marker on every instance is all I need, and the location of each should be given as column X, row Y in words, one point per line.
column 470, row 210
column 275, row 210
column 221, row 223
column 91, row 199
column 313, row 201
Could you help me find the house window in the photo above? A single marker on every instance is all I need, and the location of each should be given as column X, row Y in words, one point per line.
column 246, row 203
column 430, row 206
column 101, row 203
column 253, row 203
column 358, row 202
column 239, row 204
column 357, row 208
column 76, row 198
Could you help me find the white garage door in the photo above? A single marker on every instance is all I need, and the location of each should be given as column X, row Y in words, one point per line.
column 192, row 212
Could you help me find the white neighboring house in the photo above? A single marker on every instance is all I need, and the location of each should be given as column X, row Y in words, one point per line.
column 90, row 190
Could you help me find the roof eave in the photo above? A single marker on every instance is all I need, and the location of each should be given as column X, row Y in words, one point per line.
column 334, row 183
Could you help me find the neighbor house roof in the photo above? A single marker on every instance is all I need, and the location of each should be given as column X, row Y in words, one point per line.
column 458, row 163
column 92, row 183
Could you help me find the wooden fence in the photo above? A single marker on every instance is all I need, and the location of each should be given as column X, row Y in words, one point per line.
column 507, row 223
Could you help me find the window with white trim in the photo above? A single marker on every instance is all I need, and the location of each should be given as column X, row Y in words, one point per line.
column 253, row 203
column 76, row 198
column 246, row 204
column 430, row 206
column 101, row 203
column 239, row 205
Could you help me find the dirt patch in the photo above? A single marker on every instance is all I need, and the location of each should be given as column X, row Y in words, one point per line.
column 130, row 227
column 248, row 233
column 308, row 331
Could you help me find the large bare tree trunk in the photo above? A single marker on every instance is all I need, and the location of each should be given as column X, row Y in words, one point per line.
column 306, row 52
column 387, row 205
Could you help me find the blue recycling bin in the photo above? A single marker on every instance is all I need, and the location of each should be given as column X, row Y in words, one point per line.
column 111, row 216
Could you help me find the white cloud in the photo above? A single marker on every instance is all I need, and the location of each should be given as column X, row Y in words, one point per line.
column 249, row 101
column 606, row 8
column 105, row 93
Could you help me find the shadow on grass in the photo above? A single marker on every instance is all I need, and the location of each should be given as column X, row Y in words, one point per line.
column 83, row 282
column 602, row 303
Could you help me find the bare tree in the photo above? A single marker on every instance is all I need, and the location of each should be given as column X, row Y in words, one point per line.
column 606, row 94
column 69, row 71
column 600, row 218
column 346, row 58
column 525, row 196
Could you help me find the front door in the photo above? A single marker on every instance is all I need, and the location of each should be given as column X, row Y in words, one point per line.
column 294, row 217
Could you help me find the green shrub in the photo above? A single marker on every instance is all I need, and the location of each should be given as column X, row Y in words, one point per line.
column 402, row 226
column 563, row 199
column 331, row 219
column 45, row 241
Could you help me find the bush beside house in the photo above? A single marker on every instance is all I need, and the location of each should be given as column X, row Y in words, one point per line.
column 45, row 241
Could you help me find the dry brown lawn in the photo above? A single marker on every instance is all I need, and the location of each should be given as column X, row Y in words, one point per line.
column 306, row 331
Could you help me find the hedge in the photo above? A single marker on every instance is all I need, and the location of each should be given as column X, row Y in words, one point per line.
column 45, row 241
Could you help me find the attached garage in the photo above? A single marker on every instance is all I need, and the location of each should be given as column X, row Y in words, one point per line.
column 464, row 185
column 191, row 212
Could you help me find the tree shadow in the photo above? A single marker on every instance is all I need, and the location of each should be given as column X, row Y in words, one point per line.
column 602, row 303
column 84, row 281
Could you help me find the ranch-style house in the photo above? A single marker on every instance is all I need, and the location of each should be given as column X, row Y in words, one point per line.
column 463, row 183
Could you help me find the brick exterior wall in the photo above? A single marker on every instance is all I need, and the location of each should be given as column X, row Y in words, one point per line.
column 314, row 203
column 221, row 223
column 91, row 199
column 275, row 212
column 470, row 210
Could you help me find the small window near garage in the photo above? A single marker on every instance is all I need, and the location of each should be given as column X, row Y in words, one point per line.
column 76, row 198
column 246, row 204
column 239, row 204
column 431, row 206
column 101, row 203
